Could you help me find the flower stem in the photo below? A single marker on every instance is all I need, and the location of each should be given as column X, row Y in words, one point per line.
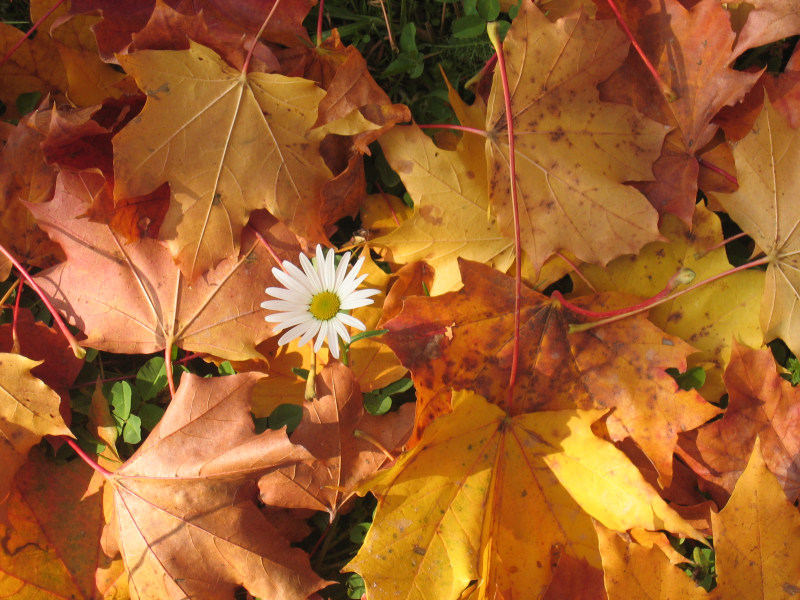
column 14, row 337
column 485, row 70
column 577, row 271
column 311, row 386
column 86, row 458
column 494, row 37
column 10, row 291
column 73, row 343
column 388, row 27
column 576, row 327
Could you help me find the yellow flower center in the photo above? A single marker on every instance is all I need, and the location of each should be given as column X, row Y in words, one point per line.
column 324, row 306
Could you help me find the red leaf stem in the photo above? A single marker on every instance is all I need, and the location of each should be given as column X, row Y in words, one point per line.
column 33, row 28
column 648, row 304
column 668, row 92
column 717, row 170
column 246, row 64
column 512, row 166
column 86, row 458
column 73, row 343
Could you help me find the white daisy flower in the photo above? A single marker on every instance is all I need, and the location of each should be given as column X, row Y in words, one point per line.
column 312, row 301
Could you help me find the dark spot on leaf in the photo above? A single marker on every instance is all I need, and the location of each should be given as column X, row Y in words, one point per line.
column 557, row 134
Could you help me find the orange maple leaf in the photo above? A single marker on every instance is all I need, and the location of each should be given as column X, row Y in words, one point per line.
column 692, row 51
column 185, row 517
column 760, row 404
column 130, row 297
column 620, row 365
column 348, row 444
column 43, row 555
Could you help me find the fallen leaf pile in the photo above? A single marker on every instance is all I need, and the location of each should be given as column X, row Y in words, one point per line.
column 180, row 151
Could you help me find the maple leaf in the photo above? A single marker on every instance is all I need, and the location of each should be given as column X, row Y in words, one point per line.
column 692, row 51
column 760, row 404
column 643, row 571
column 59, row 367
column 50, row 550
column 124, row 18
column 90, row 80
column 765, row 21
column 227, row 143
column 185, row 517
column 574, row 152
column 171, row 28
column 464, row 340
column 461, row 504
column 783, row 91
column 145, row 303
column 81, row 140
column 707, row 318
column 34, row 67
column 24, row 176
column 450, row 219
column 756, row 557
column 765, row 208
column 373, row 363
column 353, row 97
column 381, row 213
column 332, row 431
column 29, row 410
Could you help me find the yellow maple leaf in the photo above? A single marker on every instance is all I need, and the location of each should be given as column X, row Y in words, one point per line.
column 450, row 217
column 485, row 497
column 29, row 410
column 228, row 143
column 755, row 537
column 573, row 152
column 707, row 318
column 765, row 207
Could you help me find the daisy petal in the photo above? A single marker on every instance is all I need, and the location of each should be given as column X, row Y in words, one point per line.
column 311, row 274
column 320, row 337
column 333, row 339
column 341, row 329
column 352, row 303
column 289, row 320
column 293, row 279
column 351, row 321
column 290, row 295
column 280, row 305
column 341, row 271
column 312, row 329
column 348, row 287
column 325, row 268
column 290, row 335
